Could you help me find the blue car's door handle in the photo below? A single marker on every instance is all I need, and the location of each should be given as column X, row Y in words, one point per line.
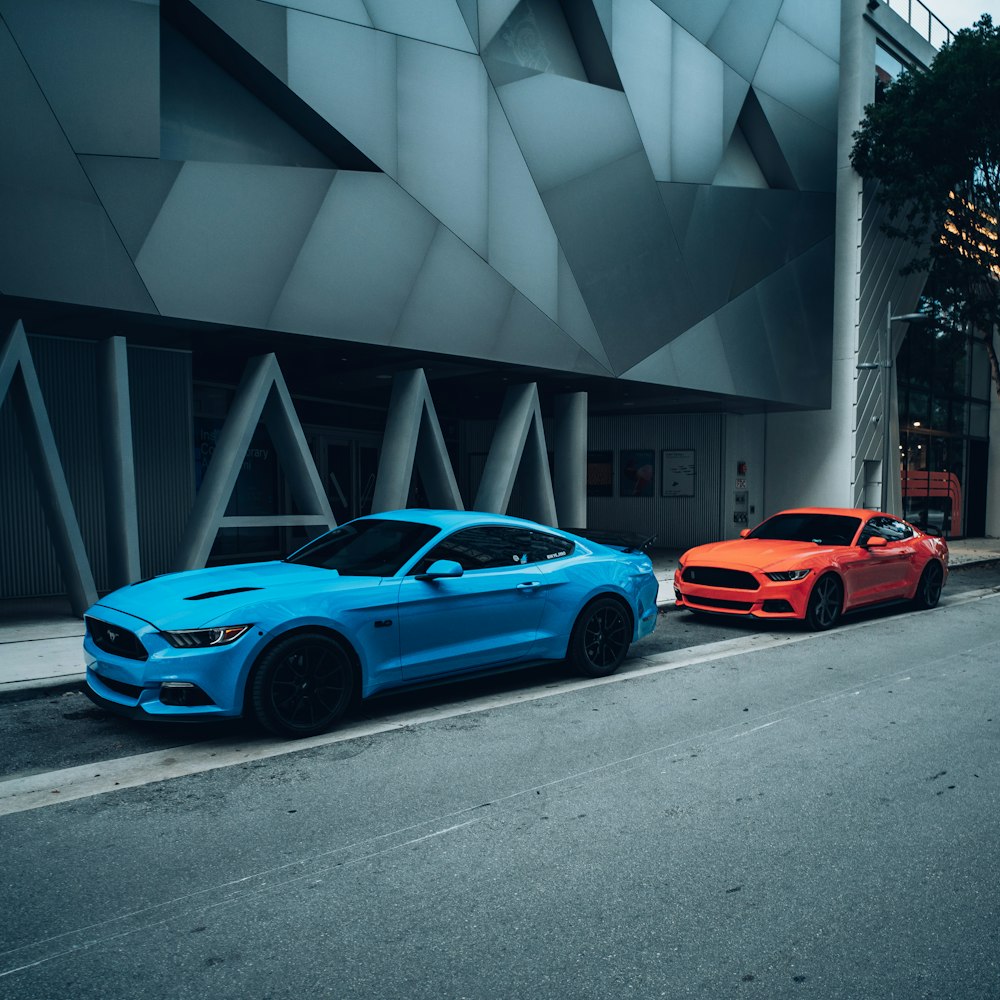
column 529, row 585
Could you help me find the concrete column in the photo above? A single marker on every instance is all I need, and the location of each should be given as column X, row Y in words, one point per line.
column 570, row 447
column 119, row 464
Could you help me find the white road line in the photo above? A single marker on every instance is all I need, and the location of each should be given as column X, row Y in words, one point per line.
column 86, row 780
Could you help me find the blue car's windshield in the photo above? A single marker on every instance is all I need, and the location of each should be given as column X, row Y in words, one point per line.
column 823, row 529
column 375, row 547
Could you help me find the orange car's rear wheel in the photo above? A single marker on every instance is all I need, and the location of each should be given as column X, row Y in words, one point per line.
column 825, row 603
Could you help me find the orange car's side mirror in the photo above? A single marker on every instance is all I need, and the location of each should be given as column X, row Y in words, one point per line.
column 876, row 542
column 744, row 533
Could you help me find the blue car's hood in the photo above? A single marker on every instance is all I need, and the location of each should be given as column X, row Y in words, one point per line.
column 207, row 596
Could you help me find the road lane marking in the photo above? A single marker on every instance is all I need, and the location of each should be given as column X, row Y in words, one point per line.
column 87, row 780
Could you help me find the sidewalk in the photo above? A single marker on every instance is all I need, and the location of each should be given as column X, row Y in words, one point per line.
column 41, row 642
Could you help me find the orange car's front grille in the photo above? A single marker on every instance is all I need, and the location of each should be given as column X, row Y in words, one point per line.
column 713, row 602
column 716, row 576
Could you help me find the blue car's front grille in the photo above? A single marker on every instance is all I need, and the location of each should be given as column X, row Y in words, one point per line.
column 129, row 690
column 115, row 639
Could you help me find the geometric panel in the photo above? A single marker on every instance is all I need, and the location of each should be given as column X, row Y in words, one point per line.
column 492, row 15
column 809, row 150
column 742, row 34
column 522, row 244
column 207, row 114
column 357, row 266
column 132, row 191
column 817, row 23
column 57, row 241
column 347, row 74
column 799, row 75
column 700, row 19
column 98, row 65
column 443, row 136
column 437, row 21
column 227, row 237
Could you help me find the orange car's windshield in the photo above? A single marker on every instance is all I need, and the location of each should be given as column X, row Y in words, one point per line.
column 821, row 529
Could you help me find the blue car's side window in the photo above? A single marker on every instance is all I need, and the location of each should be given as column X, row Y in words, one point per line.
column 486, row 547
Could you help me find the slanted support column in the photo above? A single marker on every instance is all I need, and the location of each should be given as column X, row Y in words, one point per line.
column 570, row 447
column 119, row 463
column 19, row 380
column 519, row 429
column 413, row 434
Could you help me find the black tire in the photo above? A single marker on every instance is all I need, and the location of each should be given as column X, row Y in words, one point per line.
column 302, row 685
column 825, row 603
column 929, row 588
column 600, row 638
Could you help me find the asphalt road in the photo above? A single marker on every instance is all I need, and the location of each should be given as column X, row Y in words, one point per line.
column 765, row 815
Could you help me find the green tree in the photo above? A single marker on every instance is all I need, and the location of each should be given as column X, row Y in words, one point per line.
column 932, row 141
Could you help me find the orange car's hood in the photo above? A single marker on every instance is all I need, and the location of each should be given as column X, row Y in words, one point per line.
column 756, row 553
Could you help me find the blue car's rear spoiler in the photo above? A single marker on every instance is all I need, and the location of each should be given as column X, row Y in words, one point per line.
column 626, row 540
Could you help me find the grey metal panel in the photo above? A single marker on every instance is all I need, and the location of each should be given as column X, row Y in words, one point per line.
column 641, row 43
column 98, row 65
column 492, row 15
column 257, row 27
column 817, row 23
column 437, row 21
column 347, row 74
column 697, row 141
column 568, row 129
column 522, row 243
column 57, row 241
column 163, row 441
column 206, row 114
column 443, row 136
column 809, row 148
column 743, row 33
column 800, row 76
column 357, row 267
column 454, row 285
column 353, row 11
column 227, row 238
column 701, row 18
column 534, row 38
column 526, row 332
column 624, row 255
column 132, row 192
column 574, row 317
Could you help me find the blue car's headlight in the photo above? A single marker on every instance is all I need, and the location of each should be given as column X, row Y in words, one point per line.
column 199, row 637
column 788, row 574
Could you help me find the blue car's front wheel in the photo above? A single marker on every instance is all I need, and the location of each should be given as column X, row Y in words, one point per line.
column 600, row 638
column 302, row 685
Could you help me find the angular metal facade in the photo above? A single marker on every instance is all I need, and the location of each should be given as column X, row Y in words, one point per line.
column 615, row 188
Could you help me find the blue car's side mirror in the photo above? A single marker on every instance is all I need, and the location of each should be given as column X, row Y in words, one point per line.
column 442, row 569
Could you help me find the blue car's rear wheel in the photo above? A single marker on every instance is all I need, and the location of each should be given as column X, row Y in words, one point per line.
column 302, row 685
column 600, row 638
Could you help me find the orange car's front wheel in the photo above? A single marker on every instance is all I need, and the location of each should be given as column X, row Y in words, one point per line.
column 825, row 603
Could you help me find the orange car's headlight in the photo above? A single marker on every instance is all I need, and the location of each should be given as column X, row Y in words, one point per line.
column 788, row 574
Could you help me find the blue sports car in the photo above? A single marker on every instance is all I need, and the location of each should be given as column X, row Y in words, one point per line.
column 381, row 602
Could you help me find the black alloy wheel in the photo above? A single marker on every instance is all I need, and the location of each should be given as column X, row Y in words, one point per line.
column 825, row 603
column 929, row 588
column 302, row 685
column 601, row 637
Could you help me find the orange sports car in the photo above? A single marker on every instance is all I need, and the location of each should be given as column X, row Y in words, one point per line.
column 814, row 564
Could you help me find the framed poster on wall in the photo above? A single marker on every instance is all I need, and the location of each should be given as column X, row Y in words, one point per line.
column 635, row 472
column 599, row 473
column 677, row 473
